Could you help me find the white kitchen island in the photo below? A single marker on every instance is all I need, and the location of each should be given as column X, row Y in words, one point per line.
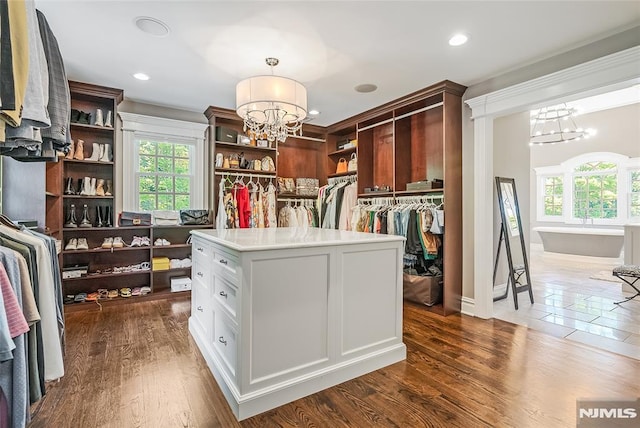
column 282, row 313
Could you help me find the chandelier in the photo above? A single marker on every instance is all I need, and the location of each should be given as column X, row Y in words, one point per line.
column 555, row 124
column 272, row 107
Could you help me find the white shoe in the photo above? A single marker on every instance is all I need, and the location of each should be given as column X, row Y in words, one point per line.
column 95, row 153
column 118, row 242
column 107, row 243
column 145, row 241
column 71, row 245
column 136, row 242
column 82, row 244
column 99, row 118
column 105, row 156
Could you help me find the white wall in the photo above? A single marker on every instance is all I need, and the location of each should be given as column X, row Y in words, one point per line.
column 618, row 131
column 511, row 160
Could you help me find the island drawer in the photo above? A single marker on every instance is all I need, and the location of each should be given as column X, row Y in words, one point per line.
column 225, row 342
column 226, row 263
column 225, row 293
column 202, row 248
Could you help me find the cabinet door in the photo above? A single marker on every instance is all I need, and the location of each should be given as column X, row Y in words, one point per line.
column 285, row 314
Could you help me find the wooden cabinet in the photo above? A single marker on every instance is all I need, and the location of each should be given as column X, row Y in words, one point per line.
column 417, row 137
column 164, row 241
column 298, row 157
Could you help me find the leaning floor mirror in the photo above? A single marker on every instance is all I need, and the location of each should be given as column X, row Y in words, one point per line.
column 511, row 233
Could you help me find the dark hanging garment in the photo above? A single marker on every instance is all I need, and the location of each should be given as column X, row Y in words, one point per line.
column 7, row 88
column 59, row 106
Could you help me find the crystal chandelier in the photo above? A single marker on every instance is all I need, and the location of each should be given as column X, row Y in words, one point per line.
column 555, row 124
column 272, row 107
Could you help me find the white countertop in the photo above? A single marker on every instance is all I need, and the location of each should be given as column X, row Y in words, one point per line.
column 288, row 237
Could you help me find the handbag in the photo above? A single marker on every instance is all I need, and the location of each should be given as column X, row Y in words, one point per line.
column 342, row 166
column 194, row 217
column 165, row 217
column 353, row 163
column 268, row 164
column 127, row 218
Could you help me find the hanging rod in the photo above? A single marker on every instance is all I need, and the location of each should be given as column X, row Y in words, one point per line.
column 246, row 174
column 334, row 180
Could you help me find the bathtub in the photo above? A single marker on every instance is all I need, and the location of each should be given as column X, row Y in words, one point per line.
column 582, row 241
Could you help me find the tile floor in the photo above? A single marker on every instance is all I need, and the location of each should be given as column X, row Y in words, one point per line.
column 574, row 298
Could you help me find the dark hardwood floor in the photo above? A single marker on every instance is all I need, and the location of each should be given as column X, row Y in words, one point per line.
column 136, row 365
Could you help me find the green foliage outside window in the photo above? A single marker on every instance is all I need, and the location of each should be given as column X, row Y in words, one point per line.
column 553, row 189
column 595, row 194
column 634, row 203
column 164, row 179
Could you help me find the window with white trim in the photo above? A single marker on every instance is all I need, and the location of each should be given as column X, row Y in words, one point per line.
column 594, row 188
column 553, row 191
column 163, row 165
column 164, row 174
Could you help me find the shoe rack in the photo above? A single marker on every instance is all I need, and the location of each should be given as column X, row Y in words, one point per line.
column 104, row 265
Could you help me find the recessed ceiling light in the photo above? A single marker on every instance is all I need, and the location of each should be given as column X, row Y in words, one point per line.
column 458, row 39
column 152, row 26
column 314, row 112
column 141, row 76
column 366, row 87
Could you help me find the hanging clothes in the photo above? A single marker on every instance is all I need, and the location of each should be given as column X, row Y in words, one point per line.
column 221, row 214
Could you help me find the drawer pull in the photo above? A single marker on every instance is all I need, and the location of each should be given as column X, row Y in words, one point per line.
column 223, row 294
column 200, row 249
column 221, row 340
column 200, row 274
column 200, row 308
column 224, row 262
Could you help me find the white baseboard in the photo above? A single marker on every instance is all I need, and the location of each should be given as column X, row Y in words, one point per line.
column 468, row 306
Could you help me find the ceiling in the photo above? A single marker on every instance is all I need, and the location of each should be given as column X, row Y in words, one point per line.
column 330, row 47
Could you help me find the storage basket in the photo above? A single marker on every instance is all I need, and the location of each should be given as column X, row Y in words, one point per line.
column 425, row 290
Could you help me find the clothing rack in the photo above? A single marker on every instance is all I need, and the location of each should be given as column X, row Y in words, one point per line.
column 298, row 202
column 336, row 180
column 244, row 174
column 391, row 200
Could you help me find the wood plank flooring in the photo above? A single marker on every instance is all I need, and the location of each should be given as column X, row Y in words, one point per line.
column 136, row 366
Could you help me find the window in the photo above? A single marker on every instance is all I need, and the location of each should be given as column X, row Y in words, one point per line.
column 634, row 196
column 164, row 176
column 163, row 166
column 553, row 190
column 595, row 190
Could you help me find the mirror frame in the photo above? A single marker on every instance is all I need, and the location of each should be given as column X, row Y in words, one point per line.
column 506, row 229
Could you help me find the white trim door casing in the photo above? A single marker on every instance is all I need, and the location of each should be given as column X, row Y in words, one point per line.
column 611, row 72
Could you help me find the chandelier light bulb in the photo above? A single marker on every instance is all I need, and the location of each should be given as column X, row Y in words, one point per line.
column 546, row 125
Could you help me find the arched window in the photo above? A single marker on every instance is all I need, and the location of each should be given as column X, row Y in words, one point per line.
column 592, row 188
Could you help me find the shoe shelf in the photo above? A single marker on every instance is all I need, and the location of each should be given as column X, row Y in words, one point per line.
column 171, row 269
column 91, row 127
column 88, row 162
column 107, row 275
column 106, row 250
column 161, row 247
column 106, row 229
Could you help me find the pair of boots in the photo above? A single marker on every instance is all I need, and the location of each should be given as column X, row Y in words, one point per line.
column 103, row 217
column 89, row 187
column 78, row 116
column 76, row 151
column 100, row 153
column 103, row 122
